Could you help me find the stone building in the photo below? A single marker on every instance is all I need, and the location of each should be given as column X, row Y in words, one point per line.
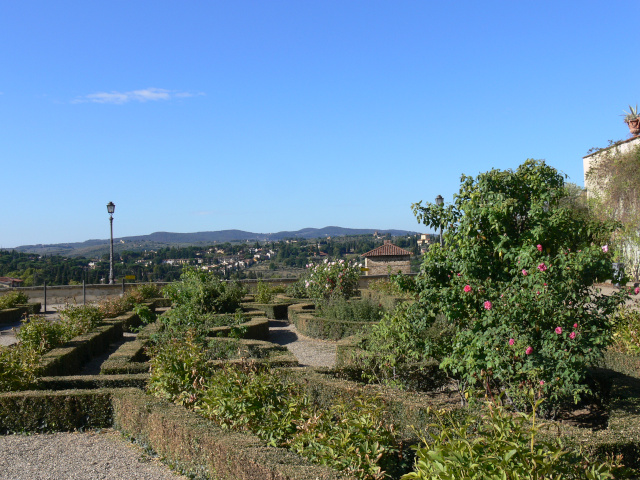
column 385, row 257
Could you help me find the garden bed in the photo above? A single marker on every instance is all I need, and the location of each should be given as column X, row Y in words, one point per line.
column 302, row 315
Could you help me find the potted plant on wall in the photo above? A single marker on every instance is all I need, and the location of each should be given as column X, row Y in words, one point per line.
column 632, row 119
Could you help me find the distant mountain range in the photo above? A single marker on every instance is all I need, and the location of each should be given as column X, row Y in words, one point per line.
column 92, row 248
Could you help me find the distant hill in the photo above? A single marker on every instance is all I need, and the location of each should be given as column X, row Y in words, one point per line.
column 95, row 248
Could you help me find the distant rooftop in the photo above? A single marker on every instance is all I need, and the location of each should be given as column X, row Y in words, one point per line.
column 387, row 250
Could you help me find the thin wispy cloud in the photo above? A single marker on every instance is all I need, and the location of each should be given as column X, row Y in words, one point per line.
column 145, row 95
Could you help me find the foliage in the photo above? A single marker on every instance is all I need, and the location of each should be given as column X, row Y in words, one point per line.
column 514, row 281
column 332, row 279
column 204, row 292
column 631, row 115
column 350, row 437
column 396, row 350
column 11, row 299
column 626, row 336
column 265, row 293
column 499, row 444
column 338, row 308
column 41, row 335
column 144, row 313
column 251, row 398
column 387, row 287
column 113, row 306
column 20, row 364
column 614, row 181
column 145, row 291
column 178, row 368
column 298, row 289
column 79, row 319
column 19, row 367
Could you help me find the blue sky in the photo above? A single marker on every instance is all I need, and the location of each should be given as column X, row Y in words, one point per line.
column 280, row 115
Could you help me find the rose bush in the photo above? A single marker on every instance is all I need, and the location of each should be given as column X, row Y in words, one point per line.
column 331, row 279
column 515, row 279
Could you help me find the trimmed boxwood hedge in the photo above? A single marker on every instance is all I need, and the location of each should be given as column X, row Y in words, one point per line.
column 12, row 315
column 275, row 311
column 49, row 411
column 301, row 315
column 195, row 446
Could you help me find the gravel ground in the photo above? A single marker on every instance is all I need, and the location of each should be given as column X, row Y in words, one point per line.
column 310, row 352
column 95, row 455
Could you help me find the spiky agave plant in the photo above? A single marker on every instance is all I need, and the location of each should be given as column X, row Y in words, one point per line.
column 632, row 114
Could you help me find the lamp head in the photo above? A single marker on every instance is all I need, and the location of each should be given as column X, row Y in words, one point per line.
column 439, row 200
column 111, row 207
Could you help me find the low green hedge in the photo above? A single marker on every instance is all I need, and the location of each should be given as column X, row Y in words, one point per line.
column 407, row 410
column 301, row 315
column 259, row 351
column 197, row 447
column 256, row 328
column 12, row 315
column 275, row 311
column 70, row 358
column 89, row 382
column 38, row 411
column 388, row 302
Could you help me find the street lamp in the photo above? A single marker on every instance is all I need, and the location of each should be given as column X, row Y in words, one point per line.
column 110, row 209
column 439, row 202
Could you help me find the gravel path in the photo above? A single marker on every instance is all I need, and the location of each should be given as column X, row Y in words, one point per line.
column 310, row 352
column 94, row 455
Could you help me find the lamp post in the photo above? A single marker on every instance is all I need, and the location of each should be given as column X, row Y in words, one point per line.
column 439, row 202
column 111, row 208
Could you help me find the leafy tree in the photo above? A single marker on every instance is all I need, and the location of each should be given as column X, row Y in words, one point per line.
column 515, row 281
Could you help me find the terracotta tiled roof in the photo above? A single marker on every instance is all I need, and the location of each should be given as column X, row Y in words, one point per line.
column 386, row 250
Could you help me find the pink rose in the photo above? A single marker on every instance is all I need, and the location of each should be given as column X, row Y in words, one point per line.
column 524, row 272
column 529, row 351
column 572, row 335
column 637, row 290
column 542, row 267
column 575, row 325
column 488, row 305
column 467, row 288
column 511, row 341
column 558, row 330
column 539, row 247
column 605, row 248
column 541, row 382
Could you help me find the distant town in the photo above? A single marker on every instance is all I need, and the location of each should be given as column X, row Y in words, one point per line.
column 246, row 259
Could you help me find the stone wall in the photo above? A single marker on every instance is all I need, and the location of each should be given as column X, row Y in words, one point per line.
column 380, row 265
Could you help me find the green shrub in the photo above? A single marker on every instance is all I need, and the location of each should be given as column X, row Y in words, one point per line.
column 339, row 308
column 264, row 293
column 398, row 350
column 145, row 291
column 500, row 444
column 626, row 335
column 298, row 289
column 41, row 335
column 514, row 279
column 19, row 367
column 145, row 314
column 205, row 293
column 79, row 319
column 178, row 368
column 350, row 437
column 331, row 279
column 11, row 299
